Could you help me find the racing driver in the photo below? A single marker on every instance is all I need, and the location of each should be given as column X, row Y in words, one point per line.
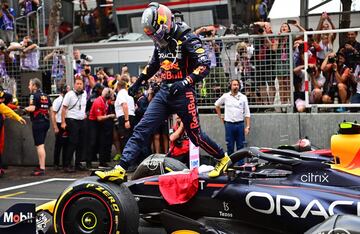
column 181, row 61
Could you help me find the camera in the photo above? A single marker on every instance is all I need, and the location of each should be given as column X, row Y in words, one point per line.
column 311, row 70
column 2, row 48
column 291, row 21
column 87, row 71
column 354, row 59
column 155, row 87
column 255, row 29
column 332, row 60
column 86, row 57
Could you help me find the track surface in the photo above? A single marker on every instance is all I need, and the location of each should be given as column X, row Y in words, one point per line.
column 18, row 187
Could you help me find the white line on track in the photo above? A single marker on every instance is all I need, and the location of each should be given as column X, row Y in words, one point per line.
column 34, row 183
column 28, row 198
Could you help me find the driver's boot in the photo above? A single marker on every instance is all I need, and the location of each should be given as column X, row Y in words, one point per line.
column 220, row 167
column 117, row 174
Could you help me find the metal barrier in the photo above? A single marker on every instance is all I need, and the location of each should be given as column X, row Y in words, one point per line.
column 32, row 24
column 335, row 96
column 52, row 65
column 263, row 64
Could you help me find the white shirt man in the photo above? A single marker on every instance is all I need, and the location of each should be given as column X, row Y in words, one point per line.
column 236, row 113
column 76, row 103
column 72, row 118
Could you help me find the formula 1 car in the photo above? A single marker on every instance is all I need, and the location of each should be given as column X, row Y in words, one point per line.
column 276, row 191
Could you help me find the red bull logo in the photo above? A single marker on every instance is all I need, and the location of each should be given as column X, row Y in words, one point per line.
column 170, row 71
column 192, row 110
column 167, row 65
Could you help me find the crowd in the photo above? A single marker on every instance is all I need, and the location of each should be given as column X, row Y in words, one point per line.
column 262, row 63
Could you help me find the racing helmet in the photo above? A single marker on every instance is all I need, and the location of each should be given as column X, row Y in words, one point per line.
column 157, row 21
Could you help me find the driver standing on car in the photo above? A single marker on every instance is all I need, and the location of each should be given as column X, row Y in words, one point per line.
column 181, row 61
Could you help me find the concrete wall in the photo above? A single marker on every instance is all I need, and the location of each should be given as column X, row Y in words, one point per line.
column 266, row 130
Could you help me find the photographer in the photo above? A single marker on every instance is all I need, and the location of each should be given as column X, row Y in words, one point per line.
column 102, row 77
column 29, row 56
column 337, row 79
column 317, row 82
column 80, row 60
column 355, row 98
column 179, row 142
column 351, row 50
column 7, row 19
column 89, row 80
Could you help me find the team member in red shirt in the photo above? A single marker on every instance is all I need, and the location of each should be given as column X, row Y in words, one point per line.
column 98, row 115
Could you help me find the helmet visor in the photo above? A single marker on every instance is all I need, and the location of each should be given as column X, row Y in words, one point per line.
column 158, row 36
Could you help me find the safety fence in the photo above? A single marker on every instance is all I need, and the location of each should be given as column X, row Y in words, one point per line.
column 264, row 64
column 33, row 25
column 50, row 64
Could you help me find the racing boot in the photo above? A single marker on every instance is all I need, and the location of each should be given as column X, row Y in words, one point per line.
column 220, row 167
column 117, row 174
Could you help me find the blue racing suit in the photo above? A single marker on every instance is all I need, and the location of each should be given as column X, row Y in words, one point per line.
column 181, row 64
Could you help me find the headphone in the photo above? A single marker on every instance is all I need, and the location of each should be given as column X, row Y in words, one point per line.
column 78, row 92
column 230, row 82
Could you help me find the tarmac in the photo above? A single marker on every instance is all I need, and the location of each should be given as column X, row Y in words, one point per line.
column 17, row 186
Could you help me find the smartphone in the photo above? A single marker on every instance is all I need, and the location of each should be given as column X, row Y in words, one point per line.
column 291, row 21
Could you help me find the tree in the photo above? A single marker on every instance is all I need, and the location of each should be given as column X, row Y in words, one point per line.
column 54, row 22
column 345, row 19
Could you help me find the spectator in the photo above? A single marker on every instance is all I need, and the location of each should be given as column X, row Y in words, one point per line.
column 61, row 136
column 125, row 111
column 57, row 68
column 351, row 49
column 80, row 60
column 282, row 47
column 7, row 19
column 5, row 111
column 325, row 23
column 263, row 10
column 179, row 142
column 27, row 6
column 337, row 79
column 244, row 69
column 39, row 113
column 89, row 21
column 5, row 58
column 102, row 77
column 264, row 76
column 72, row 120
column 317, row 82
column 236, row 112
column 29, row 57
column 355, row 98
column 98, row 133
column 326, row 47
column 88, row 78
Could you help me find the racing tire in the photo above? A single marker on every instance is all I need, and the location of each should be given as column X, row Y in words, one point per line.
column 157, row 164
column 93, row 206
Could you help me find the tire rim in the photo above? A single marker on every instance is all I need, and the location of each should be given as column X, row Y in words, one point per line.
column 86, row 212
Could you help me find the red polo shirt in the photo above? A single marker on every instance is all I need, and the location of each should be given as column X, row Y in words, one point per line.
column 98, row 108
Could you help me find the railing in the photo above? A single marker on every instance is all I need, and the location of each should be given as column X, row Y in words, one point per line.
column 265, row 70
column 32, row 24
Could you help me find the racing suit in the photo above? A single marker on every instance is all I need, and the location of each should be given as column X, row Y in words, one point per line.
column 183, row 59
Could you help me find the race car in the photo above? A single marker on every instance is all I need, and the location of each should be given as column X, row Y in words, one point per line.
column 276, row 191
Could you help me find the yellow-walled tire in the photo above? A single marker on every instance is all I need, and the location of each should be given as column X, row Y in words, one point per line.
column 93, row 206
